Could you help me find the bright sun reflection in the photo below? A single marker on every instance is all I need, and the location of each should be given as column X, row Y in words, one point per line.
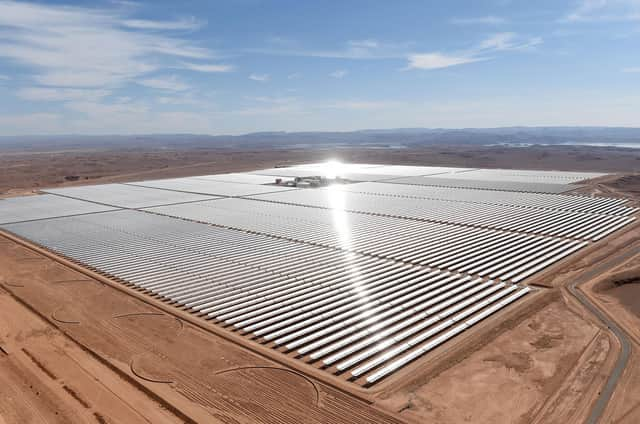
column 338, row 205
column 334, row 169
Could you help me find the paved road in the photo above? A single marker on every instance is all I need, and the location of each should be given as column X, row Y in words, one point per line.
column 623, row 338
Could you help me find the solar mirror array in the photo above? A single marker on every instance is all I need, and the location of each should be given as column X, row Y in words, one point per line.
column 359, row 278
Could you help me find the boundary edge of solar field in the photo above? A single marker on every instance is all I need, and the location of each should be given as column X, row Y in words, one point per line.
column 257, row 349
column 361, row 392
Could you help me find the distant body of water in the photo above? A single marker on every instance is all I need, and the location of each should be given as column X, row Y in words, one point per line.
column 630, row 145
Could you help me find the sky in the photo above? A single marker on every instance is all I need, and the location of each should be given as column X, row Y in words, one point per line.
column 240, row 66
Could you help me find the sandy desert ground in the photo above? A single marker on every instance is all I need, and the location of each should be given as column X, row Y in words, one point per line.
column 37, row 169
column 77, row 347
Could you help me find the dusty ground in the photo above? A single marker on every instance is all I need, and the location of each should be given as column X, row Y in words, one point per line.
column 93, row 353
column 617, row 294
column 522, row 368
column 77, row 332
column 627, row 293
column 73, row 349
column 551, row 366
column 28, row 170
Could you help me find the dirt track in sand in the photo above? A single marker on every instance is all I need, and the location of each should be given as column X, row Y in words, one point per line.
column 75, row 350
column 92, row 350
column 553, row 352
column 624, row 287
column 173, row 365
column 624, row 406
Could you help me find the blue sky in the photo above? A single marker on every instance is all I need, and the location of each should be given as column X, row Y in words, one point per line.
column 237, row 66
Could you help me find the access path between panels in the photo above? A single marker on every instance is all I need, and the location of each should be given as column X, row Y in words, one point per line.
column 558, row 223
column 476, row 251
column 357, row 316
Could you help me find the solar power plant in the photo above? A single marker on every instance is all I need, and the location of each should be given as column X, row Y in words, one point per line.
column 347, row 167
column 127, row 196
column 517, row 175
column 291, row 173
column 392, row 170
column 204, row 186
column 502, row 179
column 406, row 171
column 562, row 223
column 357, row 172
column 494, row 185
column 31, row 208
column 358, row 280
column 497, row 254
column 324, row 302
column 589, row 204
column 238, row 178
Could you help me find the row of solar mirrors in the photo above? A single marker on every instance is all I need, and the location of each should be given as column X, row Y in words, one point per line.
column 359, row 278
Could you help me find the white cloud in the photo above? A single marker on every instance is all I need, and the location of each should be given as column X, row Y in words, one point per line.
column 508, row 41
column 339, row 74
column 479, row 20
column 134, row 118
column 270, row 110
column 585, row 8
column 364, row 104
column 273, row 100
column 99, row 111
column 183, row 99
column 259, row 77
column 171, row 83
column 61, row 94
column 182, row 24
column 353, row 50
column 31, row 123
column 85, row 47
column 531, row 42
column 436, row 60
column 500, row 42
column 295, row 75
column 605, row 10
column 632, row 70
column 366, row 44
column 202, row 67
column 281, row 41
column 270, row 106
column 554, row 109
column 4, row 77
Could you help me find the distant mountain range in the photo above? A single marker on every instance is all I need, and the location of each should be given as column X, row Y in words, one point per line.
column 400, row 137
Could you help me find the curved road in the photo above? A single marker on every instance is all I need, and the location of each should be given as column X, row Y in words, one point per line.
column 621, row 335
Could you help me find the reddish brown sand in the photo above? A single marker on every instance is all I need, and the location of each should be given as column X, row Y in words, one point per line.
column 629, row 296
column 27, row 170
column 73, row 349
column 125, row 360
column 522, row 368
column 624, row 407
column 50, row 313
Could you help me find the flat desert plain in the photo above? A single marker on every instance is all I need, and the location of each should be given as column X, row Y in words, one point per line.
column 76, row 346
